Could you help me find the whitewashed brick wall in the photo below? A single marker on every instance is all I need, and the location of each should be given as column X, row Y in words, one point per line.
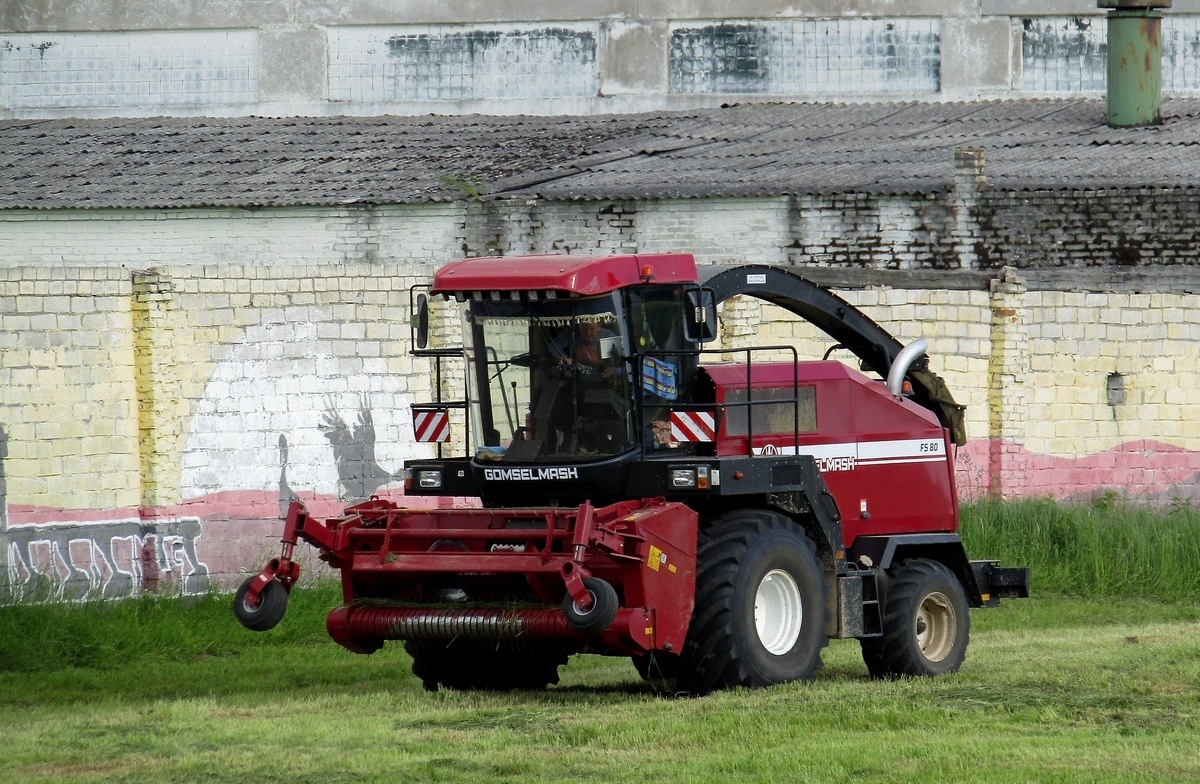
column 196, row 367
column 141, row 239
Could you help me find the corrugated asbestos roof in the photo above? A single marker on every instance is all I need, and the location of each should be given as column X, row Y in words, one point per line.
column 741, row 150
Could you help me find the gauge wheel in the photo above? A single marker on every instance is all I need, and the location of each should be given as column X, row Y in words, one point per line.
column 268, row 612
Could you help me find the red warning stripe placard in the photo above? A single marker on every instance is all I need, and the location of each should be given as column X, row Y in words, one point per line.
column 693, row 426
column 431, row 425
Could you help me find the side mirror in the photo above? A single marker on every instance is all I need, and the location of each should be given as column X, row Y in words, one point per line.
column 421, row 316
column 699, row 315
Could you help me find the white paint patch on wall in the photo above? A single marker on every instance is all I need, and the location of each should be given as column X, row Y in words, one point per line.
column 282, row 379
column 455, row 63
column 1065, row 54
column 753, row 231
column 418, row 233
column 806, row 56
column 128, row 69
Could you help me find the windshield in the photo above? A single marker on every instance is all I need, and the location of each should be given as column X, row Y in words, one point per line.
column 549, row 380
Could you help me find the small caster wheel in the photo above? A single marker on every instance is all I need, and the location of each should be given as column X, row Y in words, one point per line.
column 272, row 604
column 600, row 615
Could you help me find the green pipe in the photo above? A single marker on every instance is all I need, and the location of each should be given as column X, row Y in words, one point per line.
column 1134, row 67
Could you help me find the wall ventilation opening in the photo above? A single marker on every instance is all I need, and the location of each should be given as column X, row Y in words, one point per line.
column 1115, row 388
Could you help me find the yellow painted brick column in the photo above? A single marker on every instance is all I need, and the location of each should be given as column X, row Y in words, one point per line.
column 740, row 325
column 1008, row 371
column 161, row 408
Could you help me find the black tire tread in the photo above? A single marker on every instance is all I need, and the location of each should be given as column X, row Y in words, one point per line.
column 893, row 655
column 272, row 605
column 712, row 658
column 466, row 666
column 603, row 611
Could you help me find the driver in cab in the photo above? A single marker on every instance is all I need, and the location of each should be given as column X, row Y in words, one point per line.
column 583, row 351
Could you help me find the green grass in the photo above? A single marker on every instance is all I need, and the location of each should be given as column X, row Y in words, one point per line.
column 1054, row 689
column 1096, row 679
column 1107, row 548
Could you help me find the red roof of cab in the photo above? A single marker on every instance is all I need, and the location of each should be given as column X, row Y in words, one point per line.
column 585, row 275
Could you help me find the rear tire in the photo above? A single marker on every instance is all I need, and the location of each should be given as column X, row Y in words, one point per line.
column 272, row 604
column 759, row 616
column 926, row 626
column 468, row 666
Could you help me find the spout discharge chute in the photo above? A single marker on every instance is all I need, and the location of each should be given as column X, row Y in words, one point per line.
column 875, row 347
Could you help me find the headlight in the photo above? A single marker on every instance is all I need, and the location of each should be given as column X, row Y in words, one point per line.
column 683, row 477
column 693, row 476
column 429, row 480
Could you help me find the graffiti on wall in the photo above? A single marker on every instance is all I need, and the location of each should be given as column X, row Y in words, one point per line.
column 283, row 414
column 105, row 559
column 110, row 559
column 359, row 474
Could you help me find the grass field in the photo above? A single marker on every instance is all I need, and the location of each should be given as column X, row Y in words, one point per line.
column 1075, row 685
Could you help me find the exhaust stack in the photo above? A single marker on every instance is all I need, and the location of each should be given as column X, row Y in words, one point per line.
column 1134, row 61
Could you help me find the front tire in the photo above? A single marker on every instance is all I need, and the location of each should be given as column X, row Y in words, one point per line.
column 478, row 666
column 759, row 618
column 926, row 625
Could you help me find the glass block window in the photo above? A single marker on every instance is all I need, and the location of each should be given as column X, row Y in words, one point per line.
column 455, row 63
column 807, row 56
column 1063, row 54
column 1181, row 54
column 1070, row 54
column 128, row 69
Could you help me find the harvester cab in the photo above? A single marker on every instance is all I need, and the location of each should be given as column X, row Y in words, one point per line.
column 569, row 379
column 717, row 514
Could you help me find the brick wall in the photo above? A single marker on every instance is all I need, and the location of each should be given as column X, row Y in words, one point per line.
column 1083, row 228
column 169, row 379
column 155, row 423
column 970, row 227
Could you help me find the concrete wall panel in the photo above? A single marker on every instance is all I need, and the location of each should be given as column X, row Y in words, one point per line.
column 129, row 70
column 369, row 57
column 452, row 63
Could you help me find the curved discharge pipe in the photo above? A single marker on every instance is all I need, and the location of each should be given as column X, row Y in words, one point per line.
column 907, row 355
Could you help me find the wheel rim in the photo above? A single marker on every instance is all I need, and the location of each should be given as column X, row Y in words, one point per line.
column 584, row 613
column 778, row 613
column 935, row 627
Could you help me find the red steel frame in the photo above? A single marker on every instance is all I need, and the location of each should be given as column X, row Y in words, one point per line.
column 646, row 549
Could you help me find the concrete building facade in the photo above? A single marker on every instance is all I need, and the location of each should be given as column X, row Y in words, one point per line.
column 361, row 57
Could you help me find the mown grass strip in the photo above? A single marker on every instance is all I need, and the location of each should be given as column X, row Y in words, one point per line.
column 1054, row 689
